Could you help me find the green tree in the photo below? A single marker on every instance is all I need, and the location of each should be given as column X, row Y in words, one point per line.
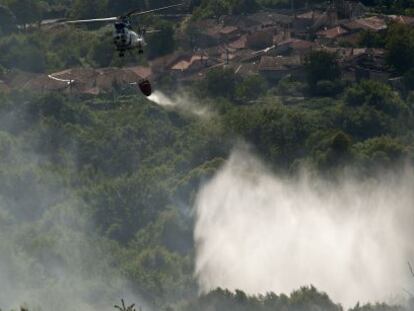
column 7, row 20
column 243, row 6
column 102, row 52
column 371, row 39
column 162, row 42
column 400, row 47
column 26, row 11
column 26, row 57
column 220, row 82
column 212, row 9
column 409, row 79
column 118, row 7
column 376, row 307
column 217, row 8
column 381, row 151
column 250, row 88
column 321, row 66
column 374, row 94
column 82, row 9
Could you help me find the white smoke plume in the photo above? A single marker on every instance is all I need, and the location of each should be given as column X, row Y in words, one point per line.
column 180, row 102
column 259, row 232
column 57, row 263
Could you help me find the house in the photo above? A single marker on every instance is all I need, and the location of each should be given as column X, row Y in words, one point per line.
column 345, row 54
column 211, row 35
column 259, row 39
column 373, row 23
column 239, row 43
column 266, row 20
column 248, row 56
column 367, row 64
column 84, row 81
column 83, row 78
column 246, row 69
column 229, row 33
column 186, row 64
column 331, row 35
column 326, row 20
column 191, row 65
column 141, row 71
column 223, row 53
column 242, row 22
column 276, row 68
column 160, row 64
column 294, row 46
column 402, row 19
column 43, row 83
column 115, row 78
column 16, row 78
column 281, row 36
column 302, row 23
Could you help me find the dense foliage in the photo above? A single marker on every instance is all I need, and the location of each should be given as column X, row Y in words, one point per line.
column 134, row 168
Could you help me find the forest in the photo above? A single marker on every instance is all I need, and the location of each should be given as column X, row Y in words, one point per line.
column 97, row 192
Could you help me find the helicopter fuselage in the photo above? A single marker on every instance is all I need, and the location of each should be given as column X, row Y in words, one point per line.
column 124, row 37
column 127, row 39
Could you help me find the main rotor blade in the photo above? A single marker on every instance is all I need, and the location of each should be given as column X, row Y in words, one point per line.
column 95, row 20
column 136, row 12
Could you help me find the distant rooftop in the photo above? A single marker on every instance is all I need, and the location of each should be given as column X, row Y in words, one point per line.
column 271, row 63
column 373, row 23
column 332, row 33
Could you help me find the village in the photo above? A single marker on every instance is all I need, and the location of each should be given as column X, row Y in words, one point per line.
column 273, row 44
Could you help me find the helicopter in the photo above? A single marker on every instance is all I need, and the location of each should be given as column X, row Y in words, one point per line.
column 124, row 37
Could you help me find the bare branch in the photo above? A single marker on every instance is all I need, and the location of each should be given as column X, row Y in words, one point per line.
column 124, row 307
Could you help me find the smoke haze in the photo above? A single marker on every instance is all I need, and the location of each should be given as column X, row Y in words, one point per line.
column 56, row 263
column 259, row 232
column 51, row 256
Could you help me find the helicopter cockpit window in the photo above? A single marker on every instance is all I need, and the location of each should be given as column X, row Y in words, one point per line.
column 119, row 27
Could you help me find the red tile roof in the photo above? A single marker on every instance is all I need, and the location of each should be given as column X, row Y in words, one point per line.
column 226, row 30
column 270, row 63
column 373, row 23
column 187, row 63
column 238, row 44
column 297, row 44
column 310, row 15
column 406, row 20
column 143, row 72
column 332, row 33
